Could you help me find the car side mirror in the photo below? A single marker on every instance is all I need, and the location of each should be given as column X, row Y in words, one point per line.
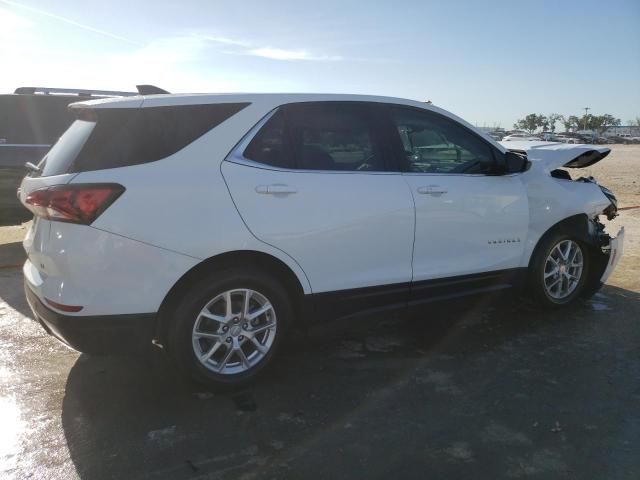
column 515, row 163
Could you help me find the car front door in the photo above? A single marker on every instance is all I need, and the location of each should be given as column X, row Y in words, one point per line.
column 471, row 224
column 315, row 183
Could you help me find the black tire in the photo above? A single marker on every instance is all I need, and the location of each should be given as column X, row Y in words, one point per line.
column 196, row 296
column 535, row 283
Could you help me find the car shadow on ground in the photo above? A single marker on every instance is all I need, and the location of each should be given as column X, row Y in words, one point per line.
column 515, row 390
column 11, row 255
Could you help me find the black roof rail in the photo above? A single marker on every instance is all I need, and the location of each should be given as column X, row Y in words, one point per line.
column 72, row 91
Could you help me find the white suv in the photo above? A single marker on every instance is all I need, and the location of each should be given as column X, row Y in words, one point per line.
column 212, row 223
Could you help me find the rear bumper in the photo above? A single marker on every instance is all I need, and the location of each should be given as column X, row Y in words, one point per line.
column 103, row 334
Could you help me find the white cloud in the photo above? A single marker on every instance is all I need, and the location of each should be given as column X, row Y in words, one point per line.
column 226, row 41
column 272, row 53
column 160, row 53
column 282, row 54
column 70, row 21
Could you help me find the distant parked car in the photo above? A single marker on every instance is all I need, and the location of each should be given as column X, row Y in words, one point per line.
column 31, row 120
column 520, row 137
column 631, row 138
column 563, row 139
column 572, row 138
column 593, row 139
column 547, row 136
column 554, row 138
column 497, row 136
column 626, row 140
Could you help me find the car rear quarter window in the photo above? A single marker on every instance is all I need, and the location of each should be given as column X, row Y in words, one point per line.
column 270, row 146
column 120, row 137
column 61, row 156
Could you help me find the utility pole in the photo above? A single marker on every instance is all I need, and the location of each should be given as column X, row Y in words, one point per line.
column 586, row 114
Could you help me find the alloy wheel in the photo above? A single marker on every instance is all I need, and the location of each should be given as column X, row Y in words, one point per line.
column 563, row 269
column 234, row 331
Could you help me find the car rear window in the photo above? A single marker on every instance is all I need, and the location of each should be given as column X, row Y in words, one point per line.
column 121, row 137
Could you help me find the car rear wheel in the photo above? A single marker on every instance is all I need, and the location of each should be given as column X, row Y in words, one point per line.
column 227, row 328
column 558, row 271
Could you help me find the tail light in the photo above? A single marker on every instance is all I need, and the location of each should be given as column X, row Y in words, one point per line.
column 79, row 203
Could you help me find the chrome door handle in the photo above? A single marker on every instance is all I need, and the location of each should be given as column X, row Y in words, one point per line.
column 432, row 190
column 276, row 189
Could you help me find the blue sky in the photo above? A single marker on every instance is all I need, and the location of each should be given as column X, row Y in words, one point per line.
column 489, row 62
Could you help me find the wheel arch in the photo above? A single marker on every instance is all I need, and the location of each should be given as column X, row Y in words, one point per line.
column 577, row 225
column 245, row 258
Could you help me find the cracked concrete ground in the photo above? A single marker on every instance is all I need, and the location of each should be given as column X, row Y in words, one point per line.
column 486, row 389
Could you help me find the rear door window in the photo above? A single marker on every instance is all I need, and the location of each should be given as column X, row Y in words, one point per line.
column 334, row 136
column 120, row 137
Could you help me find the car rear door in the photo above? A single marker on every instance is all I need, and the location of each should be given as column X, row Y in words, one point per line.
column 471, row 224
column 315, row 181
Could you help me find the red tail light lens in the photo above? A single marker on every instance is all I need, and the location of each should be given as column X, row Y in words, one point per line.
column 79, row 203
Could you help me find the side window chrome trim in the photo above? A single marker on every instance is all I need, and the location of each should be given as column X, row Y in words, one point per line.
column 237, row 155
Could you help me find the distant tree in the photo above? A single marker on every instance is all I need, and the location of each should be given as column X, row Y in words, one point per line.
column 605, row 121
column 584, row 122
column 571, row 123
column 552, row 119
column 635, row 122
column 543, row 122
column 531, row 122
column 598, row 123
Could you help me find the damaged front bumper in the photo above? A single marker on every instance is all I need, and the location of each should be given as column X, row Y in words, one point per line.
column 614, row 251
column 606, row 252
column 606, row 249
column 611, row 247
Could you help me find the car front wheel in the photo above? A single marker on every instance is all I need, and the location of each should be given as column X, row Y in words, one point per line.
column 558, row 271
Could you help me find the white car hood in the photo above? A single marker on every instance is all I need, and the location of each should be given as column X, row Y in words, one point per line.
column 552, row 155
